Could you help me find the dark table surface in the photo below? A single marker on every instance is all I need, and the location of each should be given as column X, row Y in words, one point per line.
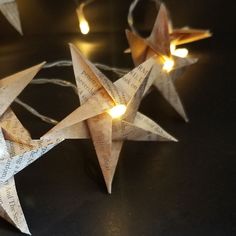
column 160, row 189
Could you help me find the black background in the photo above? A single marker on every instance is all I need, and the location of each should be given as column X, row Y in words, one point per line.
column 163, row 189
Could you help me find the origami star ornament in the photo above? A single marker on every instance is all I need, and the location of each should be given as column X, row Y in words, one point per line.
column 108, row 113
column 169, row 66
column 17, row 149
column 10, row 10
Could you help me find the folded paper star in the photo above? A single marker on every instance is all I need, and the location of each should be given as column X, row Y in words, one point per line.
column 108, row 113
column 162, row 42
column 17, row 149
column 10, row 10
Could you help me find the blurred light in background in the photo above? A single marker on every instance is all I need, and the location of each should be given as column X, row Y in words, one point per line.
column 83, row 23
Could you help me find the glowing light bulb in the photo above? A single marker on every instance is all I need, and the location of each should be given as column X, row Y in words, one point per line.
column 168, row 64
column 179, row 52
column 84, row 27
column 83, row 23
column 117, row 111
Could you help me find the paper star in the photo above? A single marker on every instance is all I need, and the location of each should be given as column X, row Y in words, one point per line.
column 17, row 149
column 168, row 66
column 102, row 101
column 10, row 10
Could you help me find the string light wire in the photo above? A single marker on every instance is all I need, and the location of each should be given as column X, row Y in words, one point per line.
column 67, row 63
column 130, row 17
column 62, row 83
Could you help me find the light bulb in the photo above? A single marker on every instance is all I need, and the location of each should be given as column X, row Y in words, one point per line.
column 168, row 64
column 83, row 23
column 84, row 26
column 179, row 52
column 117, row 111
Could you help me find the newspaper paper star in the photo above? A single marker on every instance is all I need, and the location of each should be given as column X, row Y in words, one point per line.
column 10, row 10
column 17, row 149
column 171, row 61
column 108, row 113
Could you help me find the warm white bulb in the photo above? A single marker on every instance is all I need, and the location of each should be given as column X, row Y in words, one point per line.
column 83, row 23
column 179, row 52
column 168, row 64
column 117, row 111
column 84, row 26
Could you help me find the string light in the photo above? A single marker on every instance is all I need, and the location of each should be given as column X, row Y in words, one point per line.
column 117, row 111
column 83, row 23
column 179, row 52
column 168, row 64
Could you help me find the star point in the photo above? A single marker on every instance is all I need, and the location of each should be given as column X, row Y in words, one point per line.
column 10, row 10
